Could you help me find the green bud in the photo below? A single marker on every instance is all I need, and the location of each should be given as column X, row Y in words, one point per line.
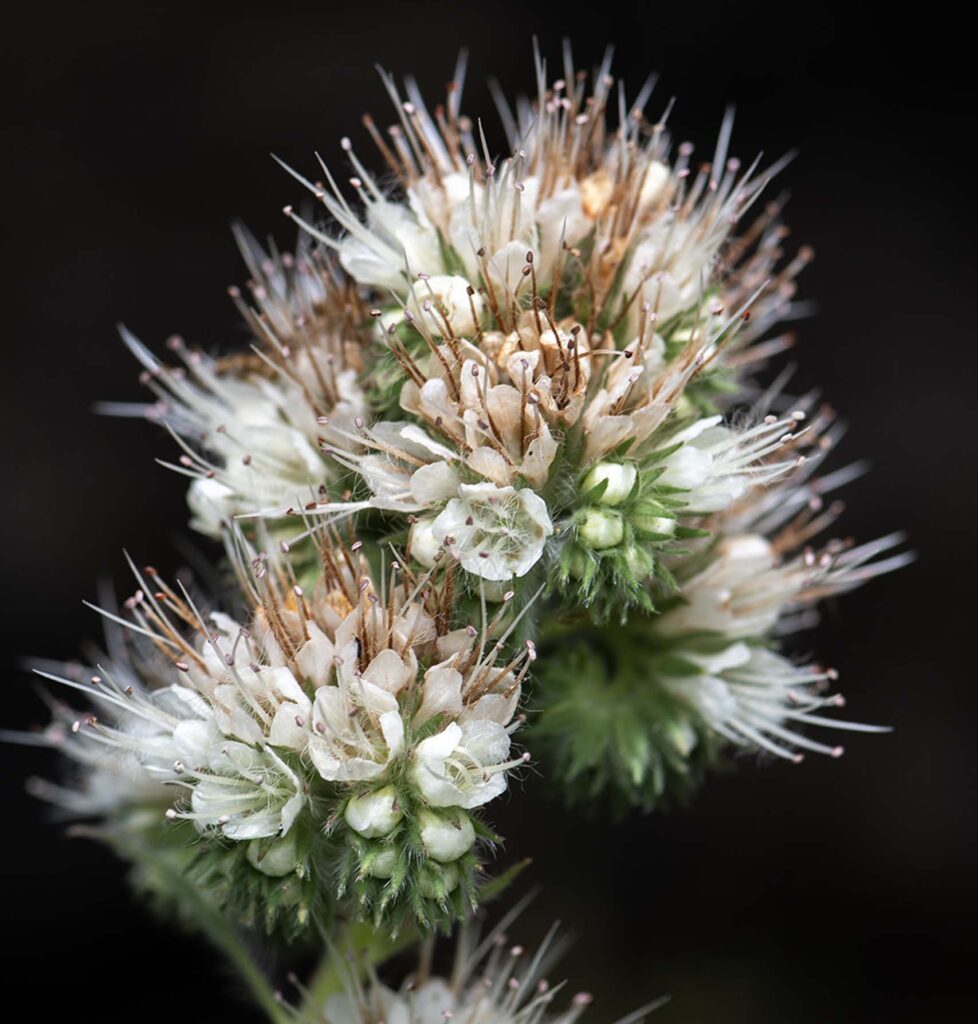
column 682, row 735
column 429, row 886
column 601, row 529
column 619, row 477
column 663, row 525
column 578, row 564
column 639, row 561
column 373, row 814
column 275, row 858
column 382, row 865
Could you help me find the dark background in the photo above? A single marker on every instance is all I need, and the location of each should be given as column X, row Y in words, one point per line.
column 835, row 891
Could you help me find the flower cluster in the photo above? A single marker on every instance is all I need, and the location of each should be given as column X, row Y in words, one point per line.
column 489, row 980
column 345, row 727
column 508, row 405
column 251, row 426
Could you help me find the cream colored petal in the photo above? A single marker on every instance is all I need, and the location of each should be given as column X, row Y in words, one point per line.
column 441, row 692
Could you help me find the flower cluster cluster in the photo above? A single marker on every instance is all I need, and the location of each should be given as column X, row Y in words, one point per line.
column 507, row 406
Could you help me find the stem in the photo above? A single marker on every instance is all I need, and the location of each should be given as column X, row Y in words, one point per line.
column 371, row 946
column 223, row 935
column 203, row 913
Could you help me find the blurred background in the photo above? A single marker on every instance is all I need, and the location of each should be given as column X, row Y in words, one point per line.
column 834, row 891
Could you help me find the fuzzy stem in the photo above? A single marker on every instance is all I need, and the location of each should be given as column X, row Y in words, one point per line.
column 203, row 913
column 223, row 935
column 371, row 946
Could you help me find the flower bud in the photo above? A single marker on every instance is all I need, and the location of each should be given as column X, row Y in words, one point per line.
column 275, row 859
column 446, row 837
column 429, row 887
column 661, row 525
column 423, row 544
column 374, row 814
column 579, row 564
column 682, row 735
column 601, row 529
column 382, row 866
column 620, row 478
column 640, row 563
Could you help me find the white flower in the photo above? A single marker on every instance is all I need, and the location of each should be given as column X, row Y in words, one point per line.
column 495, row 532
column 250, row 427
column 243, row 792
column 715, row 466
column 356, row 725
column 745, row 591
column 392, row 245
column 756, row 698
column 487, row 984
column 449, row 305
column 729, row 596
column 463, row 765
column 212, row 505
column 256, row 457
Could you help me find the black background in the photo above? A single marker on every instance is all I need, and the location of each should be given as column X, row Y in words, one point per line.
column 834, row 891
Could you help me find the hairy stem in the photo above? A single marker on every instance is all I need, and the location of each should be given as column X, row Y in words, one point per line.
column 204, row 915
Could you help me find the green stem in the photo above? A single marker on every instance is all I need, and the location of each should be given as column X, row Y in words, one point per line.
column 371, row 946
column 203, row 913
column 223, row 935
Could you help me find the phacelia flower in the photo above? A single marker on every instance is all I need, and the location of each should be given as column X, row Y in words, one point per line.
column 495, row 532
column 488, row 982
column 348, row 714
column 548, row 310
column 251, row 427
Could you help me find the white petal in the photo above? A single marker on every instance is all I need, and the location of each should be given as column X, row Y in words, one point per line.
column 441, row 692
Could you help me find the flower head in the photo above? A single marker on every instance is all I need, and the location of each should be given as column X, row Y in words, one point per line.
column 348, row 715
column 522, row 382
column 488, row 982
column 251, row 427
column 550, row 310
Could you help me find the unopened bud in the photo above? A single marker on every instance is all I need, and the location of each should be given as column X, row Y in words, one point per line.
column 446, row 836
column 439, row 886
column 374, row 814
column 276, row 859
column 382, row 865
column 602, row 529
column 662, row 526
column 620, row 479
column 424, row 545
column 682, row 735
column 640, row 563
